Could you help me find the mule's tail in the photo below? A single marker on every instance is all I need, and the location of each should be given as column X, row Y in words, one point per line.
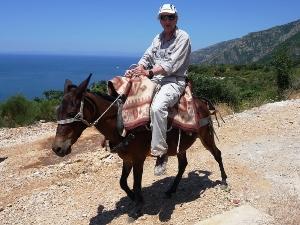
column 212, row 110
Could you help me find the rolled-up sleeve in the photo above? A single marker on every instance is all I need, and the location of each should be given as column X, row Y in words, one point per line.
column 178, row 57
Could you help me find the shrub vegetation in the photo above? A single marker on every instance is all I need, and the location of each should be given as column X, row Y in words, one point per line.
column 239, row 86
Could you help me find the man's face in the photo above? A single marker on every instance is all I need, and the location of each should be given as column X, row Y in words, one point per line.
column 168, row 21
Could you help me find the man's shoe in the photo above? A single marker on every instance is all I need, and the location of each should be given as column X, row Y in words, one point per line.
column 161, row 165
column 123, row 144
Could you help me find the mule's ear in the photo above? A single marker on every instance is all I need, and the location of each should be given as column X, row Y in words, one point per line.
column 68, row 83
column 83, row 86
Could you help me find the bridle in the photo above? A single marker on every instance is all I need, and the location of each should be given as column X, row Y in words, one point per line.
column 79, row 116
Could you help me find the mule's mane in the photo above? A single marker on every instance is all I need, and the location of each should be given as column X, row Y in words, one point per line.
column 103, row 95
column 100, row 94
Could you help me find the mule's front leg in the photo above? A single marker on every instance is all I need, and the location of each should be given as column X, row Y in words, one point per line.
column 182, row 163
column 137, row 189
column 127, row 166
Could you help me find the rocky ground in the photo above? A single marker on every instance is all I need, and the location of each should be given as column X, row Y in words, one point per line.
column 261, row 155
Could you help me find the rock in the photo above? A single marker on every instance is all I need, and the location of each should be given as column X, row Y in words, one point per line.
column 243, row 215
column 236, row 201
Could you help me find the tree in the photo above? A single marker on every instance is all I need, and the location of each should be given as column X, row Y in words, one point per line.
column 53, row 95
column 100, row 87
column 283, row 64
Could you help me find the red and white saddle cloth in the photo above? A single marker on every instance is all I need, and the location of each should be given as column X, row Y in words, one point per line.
column 136, row 109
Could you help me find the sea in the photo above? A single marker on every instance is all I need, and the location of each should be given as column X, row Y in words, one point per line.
column 31, row 75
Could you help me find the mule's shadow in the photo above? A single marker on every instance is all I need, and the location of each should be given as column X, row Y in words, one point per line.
column 2, row 159
column 189, row 189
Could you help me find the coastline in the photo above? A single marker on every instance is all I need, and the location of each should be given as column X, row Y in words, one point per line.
column 32, row 74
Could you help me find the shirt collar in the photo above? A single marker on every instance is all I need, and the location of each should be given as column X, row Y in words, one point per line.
column 161, row 36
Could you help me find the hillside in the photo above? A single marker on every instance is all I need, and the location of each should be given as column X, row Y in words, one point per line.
column 292, row 45
column 260, row 149
column 251, row 47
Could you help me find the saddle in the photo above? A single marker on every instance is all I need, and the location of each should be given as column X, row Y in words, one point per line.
column 139, row 92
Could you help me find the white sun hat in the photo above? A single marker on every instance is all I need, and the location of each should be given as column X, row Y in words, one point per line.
column 167, row 8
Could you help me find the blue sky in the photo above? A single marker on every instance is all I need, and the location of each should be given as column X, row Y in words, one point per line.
column 128, row 27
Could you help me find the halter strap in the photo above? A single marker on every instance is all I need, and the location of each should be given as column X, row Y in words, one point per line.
column 79, row 115
column 66, row 121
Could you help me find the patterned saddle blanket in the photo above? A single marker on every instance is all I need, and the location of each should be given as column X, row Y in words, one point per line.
column 136, row 109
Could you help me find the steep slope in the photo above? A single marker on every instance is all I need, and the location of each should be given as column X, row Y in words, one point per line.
column 250, row 48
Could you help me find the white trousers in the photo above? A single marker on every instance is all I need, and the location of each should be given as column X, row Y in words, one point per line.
column 167, row 96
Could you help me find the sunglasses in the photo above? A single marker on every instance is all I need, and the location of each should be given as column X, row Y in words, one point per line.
column 167, row 17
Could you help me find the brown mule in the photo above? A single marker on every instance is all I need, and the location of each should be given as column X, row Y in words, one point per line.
column 80, row 109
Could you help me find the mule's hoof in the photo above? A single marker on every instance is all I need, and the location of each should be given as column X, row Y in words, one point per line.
column 224, row 186
column 135, row 214
column 130, row 219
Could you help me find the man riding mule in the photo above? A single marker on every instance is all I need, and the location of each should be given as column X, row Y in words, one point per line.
column 80, row 109
column 166, row 62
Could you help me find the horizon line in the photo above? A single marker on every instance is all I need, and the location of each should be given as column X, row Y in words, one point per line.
column 70, row 53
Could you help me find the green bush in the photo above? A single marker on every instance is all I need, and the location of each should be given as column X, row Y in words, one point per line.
column 237, row 67
column 47, row 110
column 18, row 111
column 48, row 104
column 240, row 86
column 199, row 69
column 215, row 89
column 1, row 117
column 53, row 95
column 99, row 87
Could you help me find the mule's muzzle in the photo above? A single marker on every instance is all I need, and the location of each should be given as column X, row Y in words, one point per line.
column 61, row 148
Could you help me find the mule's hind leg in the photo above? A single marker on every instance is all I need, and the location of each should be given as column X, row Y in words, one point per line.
column 182, row 163
column 207, row 139
column 218, row 157
column 123, row 180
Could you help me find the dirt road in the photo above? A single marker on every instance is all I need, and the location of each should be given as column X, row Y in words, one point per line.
column 261, row 155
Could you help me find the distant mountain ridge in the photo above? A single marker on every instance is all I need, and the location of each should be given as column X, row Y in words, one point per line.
column 252, row 47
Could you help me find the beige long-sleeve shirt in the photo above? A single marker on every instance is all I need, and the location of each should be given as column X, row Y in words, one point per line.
column 173, row 55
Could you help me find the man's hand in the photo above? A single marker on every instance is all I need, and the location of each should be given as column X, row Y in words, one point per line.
column 136, row 72
column 129, row 73
column 141, row 71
